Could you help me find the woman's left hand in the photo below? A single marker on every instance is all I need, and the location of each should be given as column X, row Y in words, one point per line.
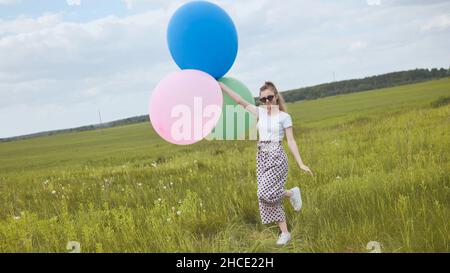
column 306, row 169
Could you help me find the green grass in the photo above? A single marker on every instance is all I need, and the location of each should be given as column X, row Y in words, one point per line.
column 382, row 168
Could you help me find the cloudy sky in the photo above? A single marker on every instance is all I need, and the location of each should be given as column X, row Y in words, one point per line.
column 61, row 61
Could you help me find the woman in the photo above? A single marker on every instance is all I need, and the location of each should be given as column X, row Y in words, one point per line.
column 271, row 160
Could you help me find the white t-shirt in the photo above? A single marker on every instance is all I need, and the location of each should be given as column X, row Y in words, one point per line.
column 271, row 127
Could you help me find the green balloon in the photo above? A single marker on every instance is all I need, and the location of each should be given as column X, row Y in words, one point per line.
column 234, row 121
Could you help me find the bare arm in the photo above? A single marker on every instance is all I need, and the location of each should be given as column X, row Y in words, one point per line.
column 292, row 144
column 239, row 100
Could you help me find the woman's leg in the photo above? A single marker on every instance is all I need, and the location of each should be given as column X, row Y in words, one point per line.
column 288, row 193
column 283, row 227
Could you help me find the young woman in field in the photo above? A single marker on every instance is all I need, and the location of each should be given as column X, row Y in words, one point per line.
column 271, row 159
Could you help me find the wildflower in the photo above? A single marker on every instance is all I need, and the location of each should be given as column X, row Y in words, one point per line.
column 165, row 187
column 16, row 218
column 179, row 212
column 53, row 192
column 173, row 208
column 171, row 183
column 179, row 201
column 45, row 182
column 338, row 177
column 159, row 199
column 139, row 184
column 123, row 189
column 154, row 164
column 168, row 219
column 201, row 204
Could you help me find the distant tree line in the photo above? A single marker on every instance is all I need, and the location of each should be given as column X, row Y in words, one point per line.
column 125, row 121
column 369, row 83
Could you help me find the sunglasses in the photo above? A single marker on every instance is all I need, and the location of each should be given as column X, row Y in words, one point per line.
column 268, row 98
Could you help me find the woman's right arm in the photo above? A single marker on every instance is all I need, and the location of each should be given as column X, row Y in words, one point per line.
column 239, row 100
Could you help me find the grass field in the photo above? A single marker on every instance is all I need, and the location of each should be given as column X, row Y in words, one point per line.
column 381, row 159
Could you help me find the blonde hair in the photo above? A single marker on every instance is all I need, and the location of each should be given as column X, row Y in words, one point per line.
column 280, row 100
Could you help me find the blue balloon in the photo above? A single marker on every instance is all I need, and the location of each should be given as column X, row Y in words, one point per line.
column 202, row 36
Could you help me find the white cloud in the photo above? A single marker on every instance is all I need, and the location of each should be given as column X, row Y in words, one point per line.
column 135, row 4
column 9, row 2
column 73, row 2
column 24, row 24
column 71, row 62
column 129, row 3
column 357, row 45
column 437, row 23
column 373, row 2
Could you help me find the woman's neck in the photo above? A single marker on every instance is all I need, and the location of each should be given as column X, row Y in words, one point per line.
column 272, row 110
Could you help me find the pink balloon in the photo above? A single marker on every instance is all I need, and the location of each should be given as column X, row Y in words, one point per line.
column 185, row 106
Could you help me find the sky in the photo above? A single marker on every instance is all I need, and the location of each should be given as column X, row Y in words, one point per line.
column 63, row 61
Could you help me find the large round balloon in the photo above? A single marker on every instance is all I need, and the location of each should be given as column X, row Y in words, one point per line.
column 234, row 121
column 202, row 36
column 185, row 106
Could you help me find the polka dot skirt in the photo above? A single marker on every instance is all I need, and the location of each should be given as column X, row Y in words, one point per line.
column 271, row 172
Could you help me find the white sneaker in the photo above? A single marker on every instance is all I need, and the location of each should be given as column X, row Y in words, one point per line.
column 284, row 238
column 296, row 199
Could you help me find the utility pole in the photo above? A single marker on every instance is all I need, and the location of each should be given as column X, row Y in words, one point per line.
column 334, row 83
column 100, row 118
